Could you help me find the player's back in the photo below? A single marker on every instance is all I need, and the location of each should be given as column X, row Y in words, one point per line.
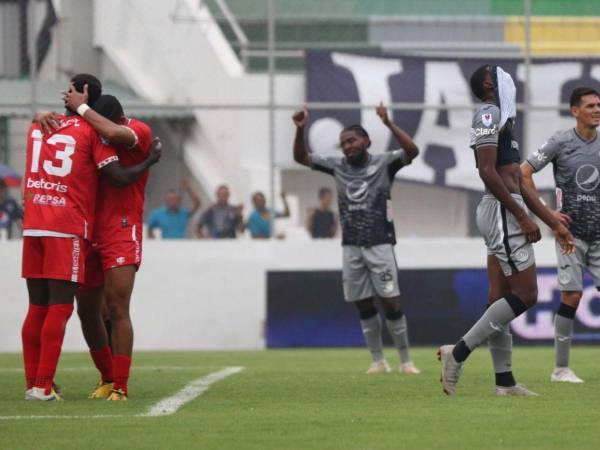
column 61, row 178
column 120, row 210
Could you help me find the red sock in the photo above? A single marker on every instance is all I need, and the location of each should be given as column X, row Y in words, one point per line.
column 103, row 360
column 30, row 336
column 121, row 365
column 53, row 333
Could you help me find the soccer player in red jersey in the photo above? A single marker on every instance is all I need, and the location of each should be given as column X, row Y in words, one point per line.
column 59, row 195
column 117, row 248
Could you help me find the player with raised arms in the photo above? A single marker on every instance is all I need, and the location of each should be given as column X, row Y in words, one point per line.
column 117, row 243
column 575, row 158
column 507, row 229
column 59, row 195
column 364, row 181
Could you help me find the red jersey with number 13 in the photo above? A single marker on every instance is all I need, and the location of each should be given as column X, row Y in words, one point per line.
column 120, row 210
column 61, row 178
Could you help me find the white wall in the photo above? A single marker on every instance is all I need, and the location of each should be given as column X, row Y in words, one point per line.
column 212, row 295
column 175, row 52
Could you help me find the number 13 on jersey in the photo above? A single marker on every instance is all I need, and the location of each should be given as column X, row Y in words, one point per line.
column 63, row 155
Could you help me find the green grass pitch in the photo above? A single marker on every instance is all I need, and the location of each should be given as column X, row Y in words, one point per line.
column 309, row 399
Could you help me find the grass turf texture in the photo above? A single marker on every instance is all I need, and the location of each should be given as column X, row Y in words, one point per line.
column 311, row 399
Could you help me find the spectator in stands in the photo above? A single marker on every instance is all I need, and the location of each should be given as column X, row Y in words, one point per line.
column 321, row 222
column 172, row 218
column 259, row 220
column 221, row 220
column 10, row 211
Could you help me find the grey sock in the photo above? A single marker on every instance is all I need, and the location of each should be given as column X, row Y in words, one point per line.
column 563, row 330
column 371, row 329
column 399, row 332
column 500, row 344
column 493, row 319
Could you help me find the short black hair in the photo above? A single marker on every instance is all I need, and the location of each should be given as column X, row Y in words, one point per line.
column 94, row 86
column 357, row 129
column 323, row 191
column 579, row 92
column 110, row 107
column 477, row 79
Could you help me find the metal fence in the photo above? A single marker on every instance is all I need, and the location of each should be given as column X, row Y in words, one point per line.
column 272, row 36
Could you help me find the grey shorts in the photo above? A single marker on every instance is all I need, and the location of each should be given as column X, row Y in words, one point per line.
column 370, row 272
column 503, row 236
column 570, row 267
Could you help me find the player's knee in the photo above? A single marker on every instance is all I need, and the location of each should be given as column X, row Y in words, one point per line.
column 394, row 315
column 86, row 311
column 118, row 309
column 528, row 296
column 118, row 313
column 571, row 298
column 366, row 308
column 392, row 308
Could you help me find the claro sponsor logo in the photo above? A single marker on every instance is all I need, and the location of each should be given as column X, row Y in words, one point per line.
column 47, row 185
column 49, row 200
column 485, row 131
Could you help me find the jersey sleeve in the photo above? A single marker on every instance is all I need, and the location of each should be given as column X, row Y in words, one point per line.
column 485, row 127
column 142, row 133
column 545, row 154
column 396, row 160
column 102, row 153
column 324, row 163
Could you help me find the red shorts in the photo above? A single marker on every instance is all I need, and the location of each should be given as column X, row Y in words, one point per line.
column 54, row 258
column 108, row 255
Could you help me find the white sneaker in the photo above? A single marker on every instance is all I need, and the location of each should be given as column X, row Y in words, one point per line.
column 380, row 366
column 38, row 394
column 564, row 375
column 451, row 369
column 409, row 367
column 517, row 390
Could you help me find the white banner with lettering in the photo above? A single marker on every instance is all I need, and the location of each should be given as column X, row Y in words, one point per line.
column 441, row 134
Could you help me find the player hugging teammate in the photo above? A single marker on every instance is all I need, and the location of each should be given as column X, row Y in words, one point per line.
column 364, row 181
column 72, row 159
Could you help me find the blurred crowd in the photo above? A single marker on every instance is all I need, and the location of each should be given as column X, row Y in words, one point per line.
column 223, row 220
column 11, row 214
column 219, row 220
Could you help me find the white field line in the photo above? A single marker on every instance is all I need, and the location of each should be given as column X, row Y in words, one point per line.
column 92, row 368
column 164, row 407
column 171, row 404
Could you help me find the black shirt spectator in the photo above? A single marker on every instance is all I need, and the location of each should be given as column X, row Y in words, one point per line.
column 10, row 211
column 222, row 220
column 322, row 221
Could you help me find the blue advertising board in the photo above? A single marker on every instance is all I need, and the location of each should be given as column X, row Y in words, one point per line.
column 307, row 309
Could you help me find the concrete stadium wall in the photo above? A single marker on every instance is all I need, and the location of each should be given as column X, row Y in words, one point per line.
column 212, row 295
